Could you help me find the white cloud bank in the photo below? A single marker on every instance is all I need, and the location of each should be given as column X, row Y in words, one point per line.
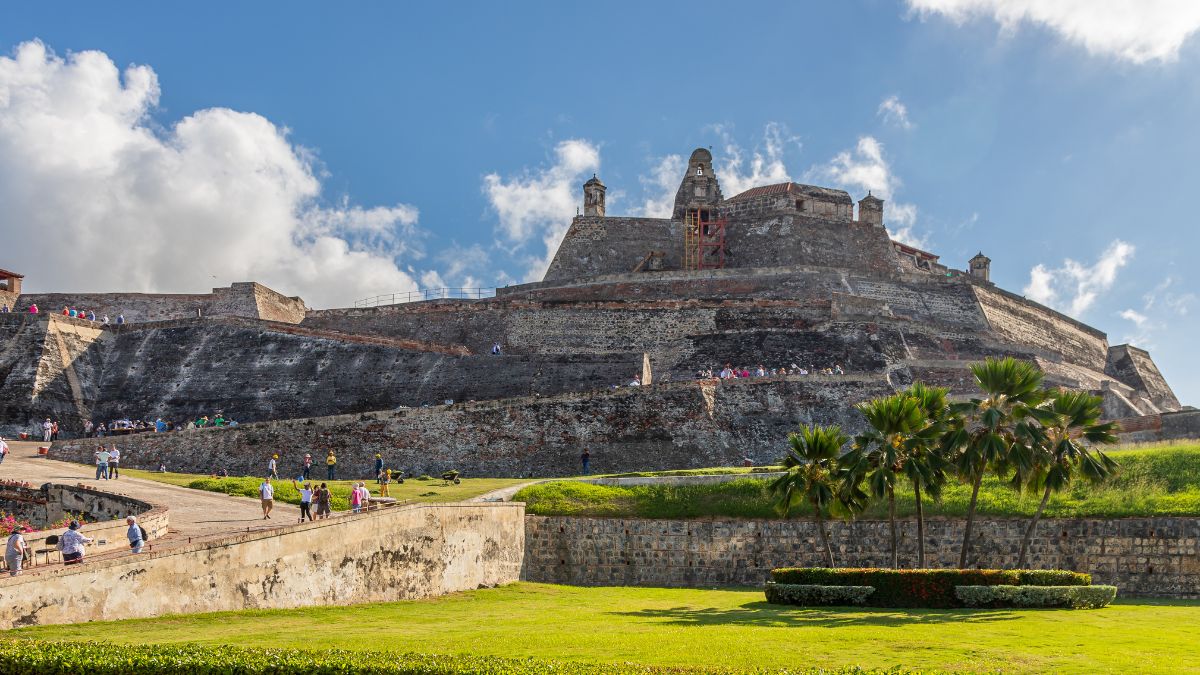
column 866, row 169
column 540, row 204
column 1075, row 287
column 98, row 197
column 1138, row 31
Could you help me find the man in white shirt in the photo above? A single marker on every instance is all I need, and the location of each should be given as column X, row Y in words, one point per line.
column 114, row 463
column 14, row 552
column 266, row 492
column 47, row 429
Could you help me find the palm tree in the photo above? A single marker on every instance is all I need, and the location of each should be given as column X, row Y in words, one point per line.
column 815, row 477
column 984, row 435
column 925, row 462
column 1061, row 444
column 880, row 452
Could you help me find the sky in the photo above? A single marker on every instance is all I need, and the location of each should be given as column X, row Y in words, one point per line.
column 341, row 150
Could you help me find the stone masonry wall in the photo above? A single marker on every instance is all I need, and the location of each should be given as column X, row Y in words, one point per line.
column 664, row 426
column 1026, row 322
column 398, row 553
column 245, row 299
column 1142, row 556
column 1135, row 368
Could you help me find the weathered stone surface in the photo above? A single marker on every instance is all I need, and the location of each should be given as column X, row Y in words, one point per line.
column 1142, row 556
column 399, row 553
column 245, row 299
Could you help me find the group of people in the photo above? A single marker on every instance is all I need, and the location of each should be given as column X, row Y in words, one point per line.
column 126, row 425
column 306, row 466
column 71, row 543
column 730, row 372
column 108, row 462
column 83, row 314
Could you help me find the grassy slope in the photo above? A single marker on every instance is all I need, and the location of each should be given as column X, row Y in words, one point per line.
column 731, row 628
column 412, row 489
column 1154, row 481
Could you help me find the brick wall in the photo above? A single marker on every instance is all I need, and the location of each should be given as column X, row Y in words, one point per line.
column 1142, row 556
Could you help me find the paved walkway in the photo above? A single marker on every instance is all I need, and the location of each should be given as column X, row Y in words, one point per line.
column 193, row 513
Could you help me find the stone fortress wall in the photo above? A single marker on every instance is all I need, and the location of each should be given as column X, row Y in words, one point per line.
column 245, row 299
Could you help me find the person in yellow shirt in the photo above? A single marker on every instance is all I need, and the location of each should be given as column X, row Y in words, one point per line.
column 384, row 479
column 330, row 465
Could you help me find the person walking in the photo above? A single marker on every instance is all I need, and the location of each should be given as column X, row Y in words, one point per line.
column 307, row 465
column 102, row 457
column 273, row 467
column 384, row 480
column 71, row 544
column 323, row 499
column 114, row 463
column 14, row 552
column 47, row 430
column 330, row 465
column 585, row 459
column 306, row 498
column 266, row 492
column 378, row 465
column 135, row 534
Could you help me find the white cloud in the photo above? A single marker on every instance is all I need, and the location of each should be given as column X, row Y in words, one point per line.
column 764, row 166
column 1162, row 295
column 1138, row 31
column 866, row 169
column 104, row 199
column 660, row 187
column 1144, row 329
column 1075, row 287
column 540, row 204
column 894, row 112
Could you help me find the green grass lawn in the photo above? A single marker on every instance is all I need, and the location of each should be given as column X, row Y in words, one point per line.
column 413, row 490
column 688, row 627
column 1158, row 481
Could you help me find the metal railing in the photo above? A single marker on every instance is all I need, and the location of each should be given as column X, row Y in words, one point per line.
column 426, row 294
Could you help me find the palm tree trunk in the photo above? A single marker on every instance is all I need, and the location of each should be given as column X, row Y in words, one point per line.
column 920, row 528
column 892, row 522
column 966, row 545
column 825, row 540
column 1029, row 532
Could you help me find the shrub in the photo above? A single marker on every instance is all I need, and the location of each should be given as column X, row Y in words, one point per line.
column 1053, row 578
column 811, row 595
column 922, row 588
column 1075, row 597
column 27, row 657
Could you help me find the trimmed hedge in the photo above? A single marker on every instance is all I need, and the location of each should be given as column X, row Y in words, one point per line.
column 921, row 588
column 1075, row 597
column 29, row 657
column 809, row 595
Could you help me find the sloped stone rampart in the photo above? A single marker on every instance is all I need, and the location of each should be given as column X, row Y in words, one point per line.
column 398, row 553
column 1157, row 557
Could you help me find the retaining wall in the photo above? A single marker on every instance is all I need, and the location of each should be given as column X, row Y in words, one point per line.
column 398, row 553
column 1142, row 556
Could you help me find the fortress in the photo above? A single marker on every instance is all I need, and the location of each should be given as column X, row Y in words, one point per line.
column 776, row 275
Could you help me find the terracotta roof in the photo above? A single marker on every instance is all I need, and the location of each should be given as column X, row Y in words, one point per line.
column 824, row 194
column 5, row 274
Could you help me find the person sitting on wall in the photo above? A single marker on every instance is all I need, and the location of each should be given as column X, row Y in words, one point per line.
column 33, row 308
column 71, row 544
column 636, row 381
column 91, row 315
column 120, row 319
column 5, row 310
column 105, row 320
column 135, row 534
column 495, row 349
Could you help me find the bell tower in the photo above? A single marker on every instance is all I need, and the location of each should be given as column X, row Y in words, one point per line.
column 593, row 197
column 699, row 189
column 980, row 267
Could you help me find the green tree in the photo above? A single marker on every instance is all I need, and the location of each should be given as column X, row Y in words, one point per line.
column 815, row 477
column 880, row 452
column 983, row 435
column 1060, row 446
column 925, row 462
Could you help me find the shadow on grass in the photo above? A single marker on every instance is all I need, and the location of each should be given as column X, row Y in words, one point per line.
column 766, row 614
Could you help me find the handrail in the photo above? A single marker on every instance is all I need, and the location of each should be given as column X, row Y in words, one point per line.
column 426, row 294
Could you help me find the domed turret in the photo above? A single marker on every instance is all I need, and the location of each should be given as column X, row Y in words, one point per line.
column 593, row 197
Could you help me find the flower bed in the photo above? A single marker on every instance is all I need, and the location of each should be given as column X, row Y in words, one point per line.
column 923, row 588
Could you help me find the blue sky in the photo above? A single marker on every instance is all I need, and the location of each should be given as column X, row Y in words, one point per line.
column 340, row 150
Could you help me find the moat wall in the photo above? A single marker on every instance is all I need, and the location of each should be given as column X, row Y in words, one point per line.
column 399, row 553
column 1142, row 556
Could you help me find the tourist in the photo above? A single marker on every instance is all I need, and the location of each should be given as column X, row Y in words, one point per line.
column 5, row 310
column 69, row 312
column 355, row 499
column 54, row 430
column 114, row 463
column 47, row 430
column 364, row 496
column 495, row 349
column 307, row 465
column 105, row 319
column 330, row 465
column 323, row 500
column 837, row 369
column 120, row 319
column 88, row 427
column 306, row 497
column 585, row 458
column 14, row 553
column 636, row 381
column 33, row 308
column 266, row 492
column 273, row 466
column 3, row 449
column 159, row 425
column 378, row 465
column 71, row 544
column 135, row 534
column 384, row 480
column 162, row 465
column 101, row 431
column 102, row 457
column 91, row 315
